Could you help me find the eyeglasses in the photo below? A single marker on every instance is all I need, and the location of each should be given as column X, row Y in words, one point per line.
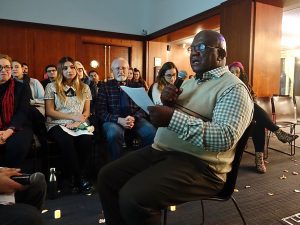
column 200, row 48
column 6, row 67
column 51, row 71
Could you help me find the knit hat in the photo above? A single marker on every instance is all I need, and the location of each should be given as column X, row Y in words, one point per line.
column 237, row 64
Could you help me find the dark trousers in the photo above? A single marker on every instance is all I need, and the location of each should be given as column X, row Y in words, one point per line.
column 263, row 122
column 74, row 150
column 135, row 188
column 17, row 147
column 28, row 205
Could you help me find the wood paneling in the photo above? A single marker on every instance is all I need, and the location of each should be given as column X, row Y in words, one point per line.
column 40, row 45
column 252, row 30
column 266, row 49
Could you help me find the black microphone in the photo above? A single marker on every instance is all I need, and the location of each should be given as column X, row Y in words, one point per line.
column 26, row 179
column 181, row 76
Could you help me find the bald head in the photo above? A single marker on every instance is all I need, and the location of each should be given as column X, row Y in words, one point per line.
column 208, row 51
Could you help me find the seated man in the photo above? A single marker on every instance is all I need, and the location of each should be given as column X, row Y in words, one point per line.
column 24, row 207
column 118, row 113
column 192, row 152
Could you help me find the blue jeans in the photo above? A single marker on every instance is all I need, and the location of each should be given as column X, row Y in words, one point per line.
column 114, row 134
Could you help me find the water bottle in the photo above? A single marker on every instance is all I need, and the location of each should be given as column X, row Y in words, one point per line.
column 52, row 186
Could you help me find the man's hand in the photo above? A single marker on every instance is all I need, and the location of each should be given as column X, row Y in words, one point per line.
column 127, row 122
column 160, row 116
column 169, row 95
column 7, row 185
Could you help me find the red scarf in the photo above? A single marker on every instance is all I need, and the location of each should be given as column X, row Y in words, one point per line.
column 7, row 105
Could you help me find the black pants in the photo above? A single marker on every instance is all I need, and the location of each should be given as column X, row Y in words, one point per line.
column 263, row 122
column 134, row 188
column 74, row 150
column 28, row 205
column 16, row 148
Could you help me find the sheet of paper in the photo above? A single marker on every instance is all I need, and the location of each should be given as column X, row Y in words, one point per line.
column 75, row 133
column 139, row 96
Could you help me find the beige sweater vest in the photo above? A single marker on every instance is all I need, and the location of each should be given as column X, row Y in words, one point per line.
column 202, row 99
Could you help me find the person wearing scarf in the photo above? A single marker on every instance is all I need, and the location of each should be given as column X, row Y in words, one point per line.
column 15, row 130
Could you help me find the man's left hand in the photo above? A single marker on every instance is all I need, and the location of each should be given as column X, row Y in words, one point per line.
column 160, row 116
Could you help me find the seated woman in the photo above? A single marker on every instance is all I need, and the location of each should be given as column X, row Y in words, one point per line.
column 137, row 80
column 67, row 105
column 15, row 129
column 263, row 122
column 166, row 75
column 37, row 109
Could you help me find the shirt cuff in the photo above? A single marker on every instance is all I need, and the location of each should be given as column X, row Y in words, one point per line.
column 178, row 121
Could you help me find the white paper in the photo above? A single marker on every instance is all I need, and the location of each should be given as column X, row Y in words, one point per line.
column 139, row 96
column 75, row 133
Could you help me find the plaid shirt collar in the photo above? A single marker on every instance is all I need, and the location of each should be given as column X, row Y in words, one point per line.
column 214, row 74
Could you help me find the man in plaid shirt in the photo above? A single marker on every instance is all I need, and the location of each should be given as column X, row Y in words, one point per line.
column 118, row 113
column 194, row 146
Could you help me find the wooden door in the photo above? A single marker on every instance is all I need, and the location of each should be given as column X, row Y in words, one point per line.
column 104, row 54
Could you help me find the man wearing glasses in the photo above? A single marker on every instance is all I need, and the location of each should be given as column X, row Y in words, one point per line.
column 118, row 114
column 51, row 72
column 190, row 156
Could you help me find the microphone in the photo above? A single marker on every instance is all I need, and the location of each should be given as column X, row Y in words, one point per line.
column 26, row 179
column 182, row 74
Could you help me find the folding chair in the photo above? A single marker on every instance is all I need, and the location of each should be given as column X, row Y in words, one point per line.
column 228, row 189
column 285, row 118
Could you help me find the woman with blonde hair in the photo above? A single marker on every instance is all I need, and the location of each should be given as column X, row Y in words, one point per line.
column 67, row 102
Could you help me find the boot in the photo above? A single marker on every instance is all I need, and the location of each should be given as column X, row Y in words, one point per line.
column 259, row 161
column 285, row 137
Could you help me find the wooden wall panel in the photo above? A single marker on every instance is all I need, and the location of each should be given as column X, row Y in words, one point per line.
column 40, row 45
column 49, row 48
column 236, row 26
column 266, row 57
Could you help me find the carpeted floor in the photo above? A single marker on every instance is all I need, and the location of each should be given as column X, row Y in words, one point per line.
column 263, row 198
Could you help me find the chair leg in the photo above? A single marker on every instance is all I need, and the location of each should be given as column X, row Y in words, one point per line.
column 238, row 209
column 202, row 206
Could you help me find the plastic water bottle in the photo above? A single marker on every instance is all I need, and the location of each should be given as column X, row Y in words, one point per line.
column 52, row 186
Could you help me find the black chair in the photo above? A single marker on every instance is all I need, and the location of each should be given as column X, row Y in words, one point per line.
column 285, row 117
column 226, row 193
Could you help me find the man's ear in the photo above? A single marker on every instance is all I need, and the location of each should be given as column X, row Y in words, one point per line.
column 222, row 53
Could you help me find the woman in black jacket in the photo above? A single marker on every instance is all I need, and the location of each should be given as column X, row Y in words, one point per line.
column 15, row 129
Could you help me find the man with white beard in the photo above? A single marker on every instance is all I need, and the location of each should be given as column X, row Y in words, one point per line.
column 117, row 113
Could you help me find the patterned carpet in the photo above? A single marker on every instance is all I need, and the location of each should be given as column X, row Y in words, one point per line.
column 265, row 199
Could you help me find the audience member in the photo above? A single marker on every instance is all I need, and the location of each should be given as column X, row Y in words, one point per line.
column 86, row 79
column 25, row 68
column 67, row 101
column 51, row 71
column 15, row 128
column 130, row 74
column 21, row 208
column 138, row 81
column 190, row 157
column 263, row 121
column 37, row 109
column 94, row 76
column 118, row 113
column 166, row 75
